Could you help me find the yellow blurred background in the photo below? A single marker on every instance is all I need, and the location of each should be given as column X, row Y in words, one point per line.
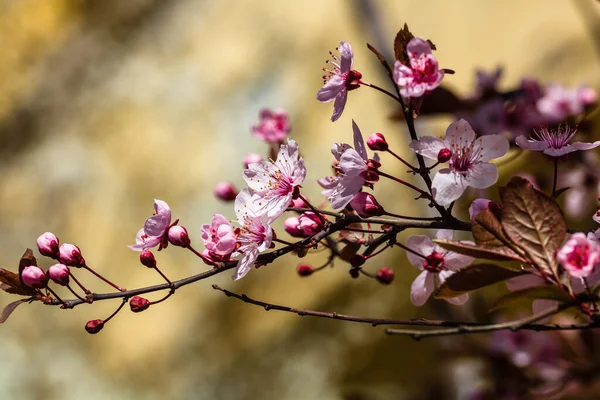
column 107, row 104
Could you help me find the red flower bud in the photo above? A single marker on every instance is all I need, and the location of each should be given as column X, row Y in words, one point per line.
column 59, row 273
column 147, row 259
column 444, row 155
column 178, row 236
column 366, row 205
column 385, row 276
column 377, row 142
column 94, row 326
column 34, row 277
column 48, row 245
column 138, row 304
column 305, row 270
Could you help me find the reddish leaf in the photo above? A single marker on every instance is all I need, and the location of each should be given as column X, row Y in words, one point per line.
column 12, row 284
column 486, row 253
column 474, row 277
column 533, row 221
column 9, row 309
column 547, row 292
column 402, row 38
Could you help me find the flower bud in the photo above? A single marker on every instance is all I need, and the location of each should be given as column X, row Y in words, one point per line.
column 94, row 326
column 304, row 270
column 373, row 164
column 291, row 226
column 309, row 223
column 71, row 255
column 366, row 205
column 357, row 260
column 48, row 245
column 34, row 277
column 377, row 142
column 225, row 191
column 138, row 304
column 178, row 236
column 59, row 273
column 252, row 158
column 444, row 155
column 385, row 276
column 298, row 203
column 354, row 273
column 147, row 259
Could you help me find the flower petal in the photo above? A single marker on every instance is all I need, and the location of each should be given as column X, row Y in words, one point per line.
column 417, row 46
column 455, row 261
column 245, row 263
column 460, row 132
column 447, row 186
column 330, row 90
column 482, row 175
column 421, row 288
column 421, row 244
column 339, row 104
column 491, row 146
column 528, row 144
column 346, row 55
column 359, row 142
column 428, row 146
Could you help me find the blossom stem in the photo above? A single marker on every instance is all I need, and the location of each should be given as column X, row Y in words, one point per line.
column 410, row 250
column 104, row 279
column 290, row 243
column 85, row 290
column 116, row 311
column 55, row 295
column 163, row 276
column 313, row 209
column 164, row 298
column 421, row 191
column 412, row 167
column 393, row 96
column 197, row 253
column 412, row 218
column 589, row 292
column 377, row 252
column 78, row 296
column 554, row 182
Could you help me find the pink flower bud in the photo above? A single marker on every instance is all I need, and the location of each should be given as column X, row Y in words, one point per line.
column 305, row 270
column 298, row 203
column 59, row 273
column 373, row 164
column 147, row 259
column 377, row 142
column 444, row 155
column 291, row 227
column 225, row 191
column 252, row 158
column 138, row 304
column 48, row 245
column 385, row 276
column 309, row 223
column 178, row 236
column 94, row 326
column 34, row 277
column 70, row 255
column 366, row 205
column 357, row 260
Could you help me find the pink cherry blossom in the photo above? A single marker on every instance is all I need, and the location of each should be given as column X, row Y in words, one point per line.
column 34, row 277
column 555, row 142
column 219, row 237
column 273, row 127
column 468, row 164
column 70, row 255
column 59, row 273
column 276, row 182
column 340, row 79
column 309, row 223
column 255, row 234
column 559, row 103
column 436, row 264
column 579, row 255
column 155, row 230
column 352, row 171
column 422, row 74
column 48, row 245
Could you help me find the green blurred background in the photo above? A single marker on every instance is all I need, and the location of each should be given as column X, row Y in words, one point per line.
column 107, row 104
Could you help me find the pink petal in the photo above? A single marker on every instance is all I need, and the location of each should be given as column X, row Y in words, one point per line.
column 460, row 132
column 447, row 234
column 492, row 146
column 447, row 186
column 533, row 145
column 331, row 89
column 346, row 55
column 245, row 264
column 459, row 300
column 359, row 142
column 421, row 288
column 421, row 244
column 585, row 146
column 339, row 105
column 345, row 190
column 428, row 146
column 352, row 163
column 477, row 206
column 418, row 46
column 455, row 261
column 482, row 175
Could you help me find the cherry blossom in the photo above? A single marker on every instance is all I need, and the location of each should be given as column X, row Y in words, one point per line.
column 276, row 182
column 468, row 163
column 353, row 171
column 219, row 237
column 340, row 79
column 559, row 103
column 366, row 205
column 579, row 255
column 422, row 74
column 155, row 230
column 255, row 234
column 436, row 264
column 273, row 127
column 34, row 277
column 555, row 142
column 48, row 245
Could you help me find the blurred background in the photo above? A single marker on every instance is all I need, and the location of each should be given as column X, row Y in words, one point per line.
column 108, row 104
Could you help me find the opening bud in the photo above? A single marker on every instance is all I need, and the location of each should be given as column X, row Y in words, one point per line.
column 309, row 223
column 34, row 277
column 225, row 191
column 377, row 142
column 357, row 260
column 291, row 226
column 70, row 255
column 305, row 270
column 298, row 203
column 385, row 276
column 147, row 259
column 138, row 304
column 178, row 236
column 94, row 326
column 366, row 205
column 444, row 155
column 252, row 158
column 59, row 273
column 48, row 245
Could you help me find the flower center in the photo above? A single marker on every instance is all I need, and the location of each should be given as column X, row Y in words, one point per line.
column 579, row 257
column 555, row 138
column 434, row 262
column 463, row 157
